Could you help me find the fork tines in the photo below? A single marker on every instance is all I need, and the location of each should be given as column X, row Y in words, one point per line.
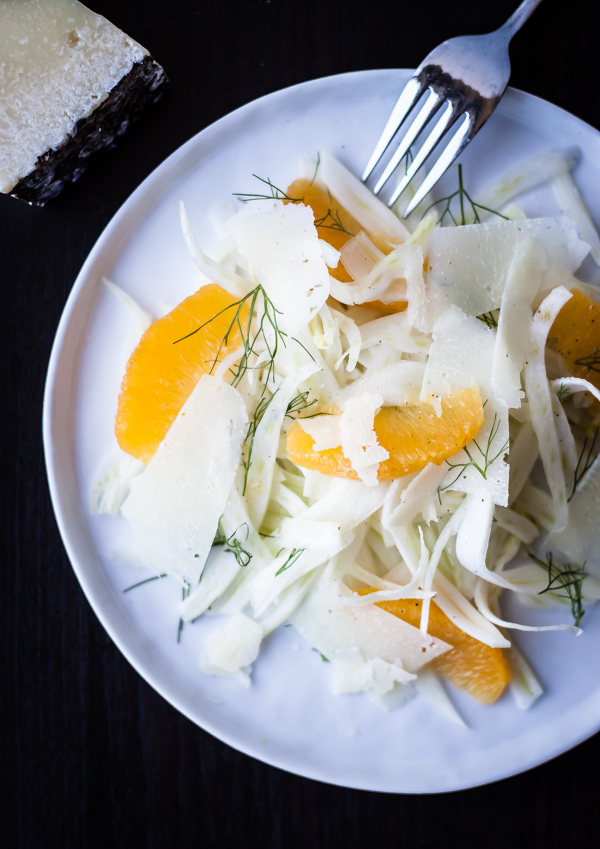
column 456, row 103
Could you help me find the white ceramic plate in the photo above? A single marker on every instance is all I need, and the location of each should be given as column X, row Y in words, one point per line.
column 287, row 717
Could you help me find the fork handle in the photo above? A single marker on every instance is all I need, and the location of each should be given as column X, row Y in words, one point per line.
column 518, row 17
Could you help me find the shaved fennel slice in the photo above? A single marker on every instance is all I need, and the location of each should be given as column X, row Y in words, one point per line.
column 482, row 590
column 473, row 537
column 465, row 615
column 522, row 283
column 352, row 333
column 408, row 498
column 360, row 502
column 540, row 402
column 284, row 499
column 265, row 443
column 371, row 213
column 384, row 283
column 219, row 572
column 429, row 685
column 300, row 350
column 223, row 578
column 537, row 503
column 113, row 481
column 421, row 233
column 579, row 539
column 528, row 175
column 284, row 571
column 289, row 600
column 232, row 282
column 569, row 455
column 523, row 457
column 231, row 649
column 516, row 524
column 570, row 385
column 571, row 204
column 359, row 255
column 141, row 318
column 281, row 245
column 524, row 684
column 325, row 334
column 448, row 531
column 179, row 497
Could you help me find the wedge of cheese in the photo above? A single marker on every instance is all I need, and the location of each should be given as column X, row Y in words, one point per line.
column 70, row 84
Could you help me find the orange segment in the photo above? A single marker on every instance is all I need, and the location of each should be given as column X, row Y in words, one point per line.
column 576, row 331
column 413, row 434
column 469, row 665
column 161, row 375
column 388, row 309
column 334, row 224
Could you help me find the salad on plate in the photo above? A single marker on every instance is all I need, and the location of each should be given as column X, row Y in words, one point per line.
column 373, row 429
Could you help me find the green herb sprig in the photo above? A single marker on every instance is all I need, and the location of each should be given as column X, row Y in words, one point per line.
column 591, row 361
column 587, row 455
column 482, row 463
column 274, row 193
column 565, row 581
column 490, row 318
column 234, row 545
column 464, row 200
column 294, row 555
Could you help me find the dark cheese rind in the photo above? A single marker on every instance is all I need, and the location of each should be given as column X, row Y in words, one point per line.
column 143, row 85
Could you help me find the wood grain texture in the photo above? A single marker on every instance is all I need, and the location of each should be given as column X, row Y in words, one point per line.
column 90, row 755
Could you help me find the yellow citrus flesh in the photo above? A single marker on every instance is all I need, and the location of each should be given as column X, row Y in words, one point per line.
column 336, row 225
column 413, row 434
column 470, row 664
column 576, row 336
column 162, row 371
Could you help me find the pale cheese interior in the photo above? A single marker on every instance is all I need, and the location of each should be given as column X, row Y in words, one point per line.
column 58, row 62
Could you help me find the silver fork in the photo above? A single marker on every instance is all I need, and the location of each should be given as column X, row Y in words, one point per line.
column 464, row 79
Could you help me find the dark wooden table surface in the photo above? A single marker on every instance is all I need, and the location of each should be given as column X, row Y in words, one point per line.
column 90, row 755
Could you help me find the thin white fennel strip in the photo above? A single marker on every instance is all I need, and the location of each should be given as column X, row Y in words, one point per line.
column 113, row 480
column 540, row 402
column 265, row 443
column 526, row 176
column 179, row 497
column 522, row 283
column 524, row 685
column 572, row 204
column 218, row 273
column 579, row 539
column 371, row 213
column 482, row 591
